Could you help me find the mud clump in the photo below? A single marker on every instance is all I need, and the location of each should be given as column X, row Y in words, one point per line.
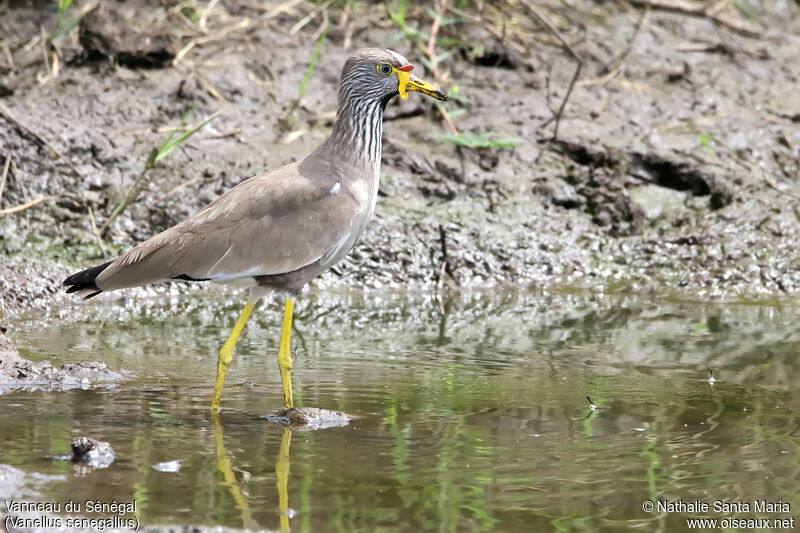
column 106, row 36
column 599, row 180
column 682, row 176
column 664, row 142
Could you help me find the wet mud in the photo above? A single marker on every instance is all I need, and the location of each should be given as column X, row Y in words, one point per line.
column 675, row 172
column 18, row 373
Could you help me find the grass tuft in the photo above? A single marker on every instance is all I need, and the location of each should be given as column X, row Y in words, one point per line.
column 706, row 140
column 156, row 154
column 65, row 20
column 482, row 140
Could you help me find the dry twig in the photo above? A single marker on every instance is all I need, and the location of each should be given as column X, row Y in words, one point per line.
column 616, row 63
column 95, row 231
column 586, row 82
column 546, row 23
column 4, row 176
column 447, row 119
column 444, row 269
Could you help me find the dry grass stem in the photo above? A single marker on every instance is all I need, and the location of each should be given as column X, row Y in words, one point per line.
column 95, row 231
column 709, row 11
column 305, row 20
column 25, row 206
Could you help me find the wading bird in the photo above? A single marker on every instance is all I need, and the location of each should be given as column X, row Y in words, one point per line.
column 279, row 230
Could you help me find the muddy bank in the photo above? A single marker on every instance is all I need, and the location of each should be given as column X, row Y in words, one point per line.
column 27, row 287
column 18, row 373
column 675, row 172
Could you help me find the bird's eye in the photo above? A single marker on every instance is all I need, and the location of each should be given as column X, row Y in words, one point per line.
column 385, row 69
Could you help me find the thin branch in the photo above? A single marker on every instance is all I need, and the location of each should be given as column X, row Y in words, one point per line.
column 445, row 268
column 447, row 119
column 616, row 63
column 546, row 23
column 432, row 39
column 6, row 166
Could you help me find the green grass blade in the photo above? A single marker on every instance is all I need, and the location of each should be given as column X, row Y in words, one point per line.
column 168, row 146
column 312, row 65
column 182, row 122
column 307, row 77
column 484, row 140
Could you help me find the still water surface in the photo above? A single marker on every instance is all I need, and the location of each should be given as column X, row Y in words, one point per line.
column 470, row 412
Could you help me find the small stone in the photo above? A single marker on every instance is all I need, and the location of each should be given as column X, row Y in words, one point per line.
column 95, row 453
column 309, row 418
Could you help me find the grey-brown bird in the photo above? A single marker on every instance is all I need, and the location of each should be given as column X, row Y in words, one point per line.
column 279, row 230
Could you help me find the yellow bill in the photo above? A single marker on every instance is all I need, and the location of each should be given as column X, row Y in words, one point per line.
column 410, row 82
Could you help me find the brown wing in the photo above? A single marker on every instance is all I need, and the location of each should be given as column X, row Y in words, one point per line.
column 270, row 224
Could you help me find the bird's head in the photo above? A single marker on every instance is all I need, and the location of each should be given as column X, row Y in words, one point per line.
column 377, row 74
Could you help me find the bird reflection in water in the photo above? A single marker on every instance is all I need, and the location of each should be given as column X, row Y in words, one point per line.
column 236, row 492
column 282, row 471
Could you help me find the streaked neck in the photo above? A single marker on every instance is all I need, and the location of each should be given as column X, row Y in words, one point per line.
column 357, row 131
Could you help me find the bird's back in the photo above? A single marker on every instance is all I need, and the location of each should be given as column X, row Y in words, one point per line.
column 301, row 217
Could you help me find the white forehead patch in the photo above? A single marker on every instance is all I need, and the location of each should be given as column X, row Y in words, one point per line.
column 336, row 188
column 397, row 57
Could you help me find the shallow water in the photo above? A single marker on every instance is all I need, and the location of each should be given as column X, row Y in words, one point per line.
column 471, row 412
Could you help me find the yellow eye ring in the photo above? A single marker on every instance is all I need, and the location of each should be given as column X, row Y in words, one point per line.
column 385, row 69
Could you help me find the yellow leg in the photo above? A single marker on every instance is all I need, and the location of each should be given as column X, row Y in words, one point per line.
column 282, row 471
column 284, row 357
column 226, row 353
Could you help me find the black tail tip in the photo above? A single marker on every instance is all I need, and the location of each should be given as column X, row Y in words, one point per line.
column 85, row 281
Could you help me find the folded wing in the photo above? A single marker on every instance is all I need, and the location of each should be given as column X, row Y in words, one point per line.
column 271, row 224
